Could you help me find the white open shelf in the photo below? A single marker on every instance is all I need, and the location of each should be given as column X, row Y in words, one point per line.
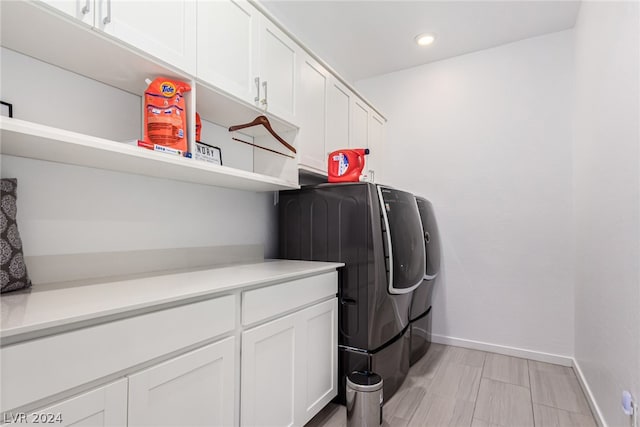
column 32, row 140
column 225, row 110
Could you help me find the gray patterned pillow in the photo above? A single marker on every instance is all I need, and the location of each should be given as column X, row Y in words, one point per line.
column 13, row 271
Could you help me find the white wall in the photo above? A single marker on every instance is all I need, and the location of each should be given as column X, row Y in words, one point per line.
column 66, row 209
column 487, row 138
column 606, row 157
column 69, row 209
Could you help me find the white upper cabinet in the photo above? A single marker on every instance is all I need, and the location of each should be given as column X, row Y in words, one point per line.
column 227, row 47
column 164, row 29
column 243, row 53
column 338, row 113
column 79, row 9
column 349, row 122
column 359, row 125
column 312, row 113
column 277, row 65
column 376, row 146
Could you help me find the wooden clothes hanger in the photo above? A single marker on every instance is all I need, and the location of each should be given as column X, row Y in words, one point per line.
column 264, row 121
column 263, row 148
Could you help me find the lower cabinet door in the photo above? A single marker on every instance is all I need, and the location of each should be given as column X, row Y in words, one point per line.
column 319, row 335
column 195, row 389
column 268, row 374
column 104, row 406
column 289, row 367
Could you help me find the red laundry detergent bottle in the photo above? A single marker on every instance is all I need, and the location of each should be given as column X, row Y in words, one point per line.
column 347, row 165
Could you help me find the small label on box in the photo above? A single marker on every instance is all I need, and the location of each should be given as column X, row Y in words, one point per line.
column 208, row 153
column 160, row 148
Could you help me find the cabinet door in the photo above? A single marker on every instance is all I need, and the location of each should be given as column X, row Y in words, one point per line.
column 228, row 46
column 318, row 330
column 359, row 125
column 376, row 146
column 338, row 113
column 164, row 29
column 277, row 66
column 79, row 9
column 105, row 406
column 311, row 114
column 289, row 367
column 195, row 389
column 269, row 368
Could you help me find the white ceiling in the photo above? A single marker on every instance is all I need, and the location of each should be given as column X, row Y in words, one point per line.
column 361, row 39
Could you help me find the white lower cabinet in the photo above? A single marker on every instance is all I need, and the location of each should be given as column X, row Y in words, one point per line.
column 268, row 374
column 104, row 406
column 195, row 389
column 285, row 364
column 319, row 352
column 289, row 367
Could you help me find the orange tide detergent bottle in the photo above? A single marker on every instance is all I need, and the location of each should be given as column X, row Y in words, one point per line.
column 165, row 118
column 347, row 165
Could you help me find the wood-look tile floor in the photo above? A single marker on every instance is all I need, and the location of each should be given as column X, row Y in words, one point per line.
column 453, row 386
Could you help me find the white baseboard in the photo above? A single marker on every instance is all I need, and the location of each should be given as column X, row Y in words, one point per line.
column 595, row 409
column 506, row 350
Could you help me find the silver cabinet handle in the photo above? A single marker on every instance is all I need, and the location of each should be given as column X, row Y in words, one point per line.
column 107, row 19
column 87, row 7
column 264, row 100
column 257, row 81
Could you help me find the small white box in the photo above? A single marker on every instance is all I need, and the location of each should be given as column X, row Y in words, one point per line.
column 208, row 153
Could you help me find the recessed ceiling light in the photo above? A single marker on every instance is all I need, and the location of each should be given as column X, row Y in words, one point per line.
column 425, row 39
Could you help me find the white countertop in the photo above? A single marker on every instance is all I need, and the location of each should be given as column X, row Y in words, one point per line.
column 26, row 313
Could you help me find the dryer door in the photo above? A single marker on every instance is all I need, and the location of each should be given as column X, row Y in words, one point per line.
column 405, row 250
column 431, row 238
